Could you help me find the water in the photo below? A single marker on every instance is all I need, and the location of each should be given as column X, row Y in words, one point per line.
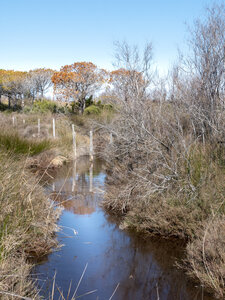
column 117, row 264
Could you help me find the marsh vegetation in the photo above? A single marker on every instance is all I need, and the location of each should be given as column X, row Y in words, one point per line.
column 162, row 141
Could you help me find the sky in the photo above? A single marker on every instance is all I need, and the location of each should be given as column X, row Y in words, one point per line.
column 54, row 33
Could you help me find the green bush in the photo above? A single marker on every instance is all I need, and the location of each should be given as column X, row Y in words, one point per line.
column 3, row 107
column 89, row 101
column 92, row 110
column 27, row 109
column 44, row 106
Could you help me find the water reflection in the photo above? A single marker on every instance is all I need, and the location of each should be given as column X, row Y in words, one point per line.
column 143, row 268
column 73, row 189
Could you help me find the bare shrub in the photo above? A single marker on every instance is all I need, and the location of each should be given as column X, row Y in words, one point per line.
column 166, row 161
column 206, row 257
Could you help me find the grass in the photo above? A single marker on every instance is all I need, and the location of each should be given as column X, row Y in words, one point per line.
column 27, row 218
column 27, row 225
column 205, row 256
column 20, row 145
column 23, row 138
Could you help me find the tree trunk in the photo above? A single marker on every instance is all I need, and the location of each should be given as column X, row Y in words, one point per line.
column 82, row 105
column 9, row 101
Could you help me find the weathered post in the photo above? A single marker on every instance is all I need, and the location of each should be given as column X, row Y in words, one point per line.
column 111, row 138
column 91, row 145
column 53, row 127
column 74, row 141
column 91, row 178
column 24, row 122
column 39, row 127
column 74, row 175
column 13, row 121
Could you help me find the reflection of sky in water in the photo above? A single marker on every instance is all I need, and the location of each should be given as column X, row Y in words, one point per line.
column 113, row 256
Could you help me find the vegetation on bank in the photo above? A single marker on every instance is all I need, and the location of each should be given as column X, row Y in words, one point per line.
column 165, row 154
column 166, row 165
column 28, row 218
column 27, row 226
column 20, row 145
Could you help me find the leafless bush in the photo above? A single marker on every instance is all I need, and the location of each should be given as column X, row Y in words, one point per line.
column 155, row 141
column 166, row 161
column 198, row 81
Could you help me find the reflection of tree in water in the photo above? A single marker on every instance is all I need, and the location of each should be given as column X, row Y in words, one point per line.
column 142, row 267
column 72, row 187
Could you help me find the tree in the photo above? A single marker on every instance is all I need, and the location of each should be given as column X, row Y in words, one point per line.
column 128, row 84
column 2, row 72
column 206, row 62
column 39, row 81
column 198, row 79
column 134, row 74
column 12, row 84
column 78, row 81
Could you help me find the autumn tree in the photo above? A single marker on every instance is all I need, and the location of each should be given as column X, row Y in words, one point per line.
column 12, row 84
column 77, row 82
column 1, row 83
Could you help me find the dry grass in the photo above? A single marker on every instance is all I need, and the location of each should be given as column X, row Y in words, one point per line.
column 27, row 218
column 206, row 257
column 28, row 223
column 25, row 131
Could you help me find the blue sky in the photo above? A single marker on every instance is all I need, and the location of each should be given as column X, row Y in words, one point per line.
column 53, row 33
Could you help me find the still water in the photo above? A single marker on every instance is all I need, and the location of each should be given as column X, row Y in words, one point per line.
column 115, row 264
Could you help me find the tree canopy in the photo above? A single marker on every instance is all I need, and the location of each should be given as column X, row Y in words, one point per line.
column 78, row 81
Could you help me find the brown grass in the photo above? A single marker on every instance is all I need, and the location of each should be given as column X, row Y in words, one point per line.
column 28, row 224
column 27, row 218
column 206, row 257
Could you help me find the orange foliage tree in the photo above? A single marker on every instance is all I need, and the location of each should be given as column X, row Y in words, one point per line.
column 12, row 84
column 77, row 82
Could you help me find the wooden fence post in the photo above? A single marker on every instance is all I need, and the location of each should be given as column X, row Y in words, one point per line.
column 111, row 138
column 74, row 141
column 91, row 178
column 53, row 127
column 74, row 175
column 91, row 145
column 39, row 127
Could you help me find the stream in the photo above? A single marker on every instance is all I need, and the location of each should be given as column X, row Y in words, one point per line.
column 97, row 259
